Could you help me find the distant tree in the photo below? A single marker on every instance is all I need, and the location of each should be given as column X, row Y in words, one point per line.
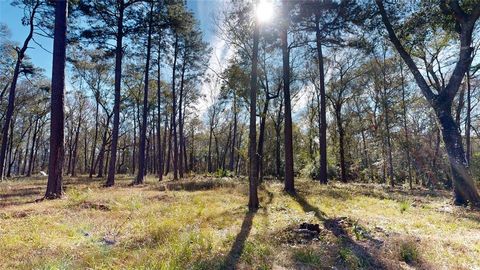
column 31, row 8
column 112, row 19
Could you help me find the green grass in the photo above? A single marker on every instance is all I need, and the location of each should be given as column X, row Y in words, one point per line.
column 203, row 223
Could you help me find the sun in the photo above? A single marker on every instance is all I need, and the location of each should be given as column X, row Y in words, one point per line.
column 264, row 11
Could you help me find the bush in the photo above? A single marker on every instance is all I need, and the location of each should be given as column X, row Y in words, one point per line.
column 409, row 252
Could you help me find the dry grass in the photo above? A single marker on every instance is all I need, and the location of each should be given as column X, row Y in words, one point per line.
column 202, row 223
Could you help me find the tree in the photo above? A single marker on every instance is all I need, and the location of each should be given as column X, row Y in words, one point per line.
column 55, row 165
column 464, row 21
column 31, row 8
column 143, row 132
column 288, row 137
column 110, row 19
column 253, row 203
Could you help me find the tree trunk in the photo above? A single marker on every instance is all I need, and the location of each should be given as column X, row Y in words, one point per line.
column 159, row 119
column 55, row 165
column 75, row 145
column 94, row 144
column 405, row 128
column 209, row 157
column 261, row 138
column 463, row 184
column 341, row 142
column 387, row 124
column 34, row 141
column 174, row 111
column 180, row 118
column 143, row 131
column 468, row 121
column 289, row 181
column 234, row 136
column 117, row 99
column 322, row 103
column 253, row 203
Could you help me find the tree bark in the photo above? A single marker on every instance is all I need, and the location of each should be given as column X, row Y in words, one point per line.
column 57, row 118
column 405, row 128
column 174, row 111
column 180, row 117
column 94, row 144
column 159, row 119
column 288, row 139
column 117, row 99
column 75, row 144
column 322, row 103
column 253, row 203
column 143, row 131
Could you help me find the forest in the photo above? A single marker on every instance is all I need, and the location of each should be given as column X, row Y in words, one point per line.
column 239, row 134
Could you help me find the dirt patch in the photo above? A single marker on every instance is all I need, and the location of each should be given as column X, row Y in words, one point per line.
column 302, row 234
column 17, row 214
column 94, row 205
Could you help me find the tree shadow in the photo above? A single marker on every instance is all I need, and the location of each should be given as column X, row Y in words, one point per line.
column 235, row 252
column 337, row 228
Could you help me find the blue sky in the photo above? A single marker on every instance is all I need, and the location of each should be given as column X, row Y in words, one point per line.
column 11, row 16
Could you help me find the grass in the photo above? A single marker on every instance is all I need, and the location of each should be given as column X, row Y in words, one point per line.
column 203, row 223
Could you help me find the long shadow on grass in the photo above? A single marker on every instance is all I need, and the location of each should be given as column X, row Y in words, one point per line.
column 334, row 225
column 233, row 256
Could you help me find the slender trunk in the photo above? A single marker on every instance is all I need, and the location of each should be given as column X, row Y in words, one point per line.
column 174, row 111
column 234, row 138
column 288, row 137
column 10, row 151
column 169, row 153
column 117, row 99
column 101, row 153
column 75, row 145
column 387, row 129
column 261, row 138
column 253, row 203
column 94, row 144
column 322, row 103
column 405, row 128
column 34, row 141
column 134, row 152
column 209, row 157
column 57, row 118
column 278, row 129
column 164, row 144
column 180, row 121
column 341, row 142
column 159, row 120
column 27, row 148
column 143, row 131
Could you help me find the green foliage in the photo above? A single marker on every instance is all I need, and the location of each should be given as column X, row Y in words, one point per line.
column 409, row 252
column 308, row 256
column 404, row 206
column 349, row 258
